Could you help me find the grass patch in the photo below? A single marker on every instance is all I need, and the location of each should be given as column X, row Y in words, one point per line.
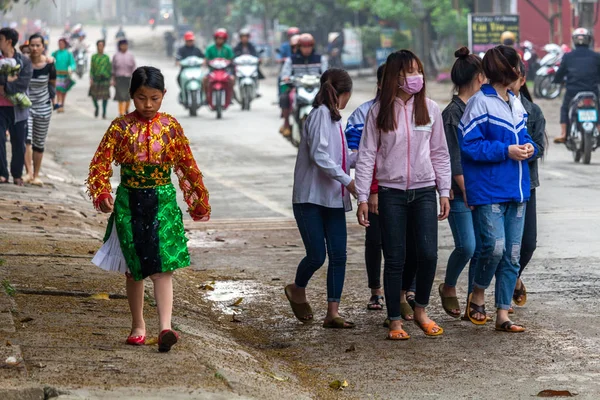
column 8, row 288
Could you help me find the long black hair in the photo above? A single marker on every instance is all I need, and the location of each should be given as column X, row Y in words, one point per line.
column 466, row 67
column 524, row 90
column 147, row 76
column 334, row 82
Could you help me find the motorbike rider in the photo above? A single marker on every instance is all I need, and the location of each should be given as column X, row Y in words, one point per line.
column 304, row 62
column 80, row 44
column 335, row 48
column 285, row 50
column 246, row 47
column 508, row 38
column 189, row 49
column 219, row 49
column 581, row 68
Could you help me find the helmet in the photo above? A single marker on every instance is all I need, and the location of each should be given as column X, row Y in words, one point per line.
column 581, row 37
column 306, row 39
column 508, row 38
column 221, row 33
column 293, row 31
column 294, row 40
column 189, row 35
column 244, row 32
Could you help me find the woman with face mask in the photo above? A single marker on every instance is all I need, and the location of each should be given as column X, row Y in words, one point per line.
column 404, row 137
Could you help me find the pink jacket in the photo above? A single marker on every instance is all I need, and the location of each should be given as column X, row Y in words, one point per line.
column 411, row 157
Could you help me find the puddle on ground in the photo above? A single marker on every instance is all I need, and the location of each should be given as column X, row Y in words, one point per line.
column 227, row 294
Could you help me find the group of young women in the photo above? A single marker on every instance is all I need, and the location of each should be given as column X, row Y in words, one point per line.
column 478, row 156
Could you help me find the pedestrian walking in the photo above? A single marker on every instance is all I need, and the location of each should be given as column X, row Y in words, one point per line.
column 536, row 127
column 145, row 234
column 467, row 76
column 12, row 117
column 495, row 149
column 321, row 197
column 42, row 90
column 65, row 64
column 404, row 138
column 100, row 75
column 123, row 65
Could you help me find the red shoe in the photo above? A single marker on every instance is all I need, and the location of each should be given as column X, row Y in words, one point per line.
column 136, row 340
column 166, row 340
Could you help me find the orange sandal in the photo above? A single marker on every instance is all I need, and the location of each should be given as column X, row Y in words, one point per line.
column 429, row 328
column 399, row 334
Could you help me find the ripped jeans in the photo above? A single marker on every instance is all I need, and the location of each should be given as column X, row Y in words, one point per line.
column 499, row 228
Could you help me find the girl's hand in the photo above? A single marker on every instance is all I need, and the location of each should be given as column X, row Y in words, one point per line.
column 517, row 152
column 107, row 205
column 444, row 208
column 373, row 203
column 530, row 149
column 202, row 219
column 352, row 188
column 363, row 214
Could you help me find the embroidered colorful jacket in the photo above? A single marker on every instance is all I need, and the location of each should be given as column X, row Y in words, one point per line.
column 138, row 145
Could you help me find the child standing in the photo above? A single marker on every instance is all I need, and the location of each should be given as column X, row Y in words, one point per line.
column 145, row 236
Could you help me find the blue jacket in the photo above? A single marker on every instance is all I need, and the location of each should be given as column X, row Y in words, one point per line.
column 356, row 124
column 488, row 126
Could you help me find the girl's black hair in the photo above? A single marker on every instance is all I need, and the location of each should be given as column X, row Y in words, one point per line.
column 147, row 76
column 334, row 82
column 524, row 90
column 36, row 36
column 499, row 64
column 101, row 41
column 122, row 41
column 466, row 67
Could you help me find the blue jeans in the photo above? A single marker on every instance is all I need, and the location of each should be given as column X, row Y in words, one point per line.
column 323, row 232
column 463, row 232
column 500, row 230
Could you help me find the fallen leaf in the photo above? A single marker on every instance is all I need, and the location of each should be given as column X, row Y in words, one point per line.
column 237, row 302
column 100, row 296
column 277, row 378
column 338, row 385
column 556, row 393
column 151, row 341
column 351, row 348
column 26, row 319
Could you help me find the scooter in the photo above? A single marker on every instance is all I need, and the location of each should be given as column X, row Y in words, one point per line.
column 530, row 58
column 544, row 85
column 583, row 136
column 190, row 82
column 81, row 63
column 220, row 89
column 306, row 89
column 247, row 77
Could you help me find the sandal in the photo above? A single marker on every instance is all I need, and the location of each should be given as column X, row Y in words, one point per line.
column 522, row 293
column 398, row 335
column 338, row 323
column 406, row 311
column 449, row 303
column 428, row 328
column 507, row 326
column 375, row 303
column 476, row 309
column 3, row 179
column 302, row 311
column 465, row 317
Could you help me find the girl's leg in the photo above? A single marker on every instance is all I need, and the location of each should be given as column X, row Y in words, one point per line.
column 96, row 108
column 59, row 98
column 163, row 293
column 529, row 243
column 104, row 104
column 311, row 226
column 336, row 238
column 29, row 160
column 135, row 297
column 127, row 104
column 373, row 254
column 40, row 132
column 120, row 105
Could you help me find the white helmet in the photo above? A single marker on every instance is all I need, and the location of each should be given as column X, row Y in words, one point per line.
column 581, row 37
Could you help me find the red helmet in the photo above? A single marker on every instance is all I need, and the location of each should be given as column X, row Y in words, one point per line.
column 189, row 35
column 293, row 31
column 221, row 33
column 306, row 39
column 294, row 40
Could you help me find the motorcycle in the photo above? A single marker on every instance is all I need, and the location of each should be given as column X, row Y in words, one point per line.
column 306, row 89
column 530, row 58
column 544, row 85
column 219, row 90
column 583, row 136
column 81, row 63
column 190, row 82
column 247, row 77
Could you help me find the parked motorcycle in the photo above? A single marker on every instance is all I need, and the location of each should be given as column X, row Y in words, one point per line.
column 247, row 77
column 544, row 85
column 81, row 63
column 530, row 58
column 190, row 82
column 306, row 89
column 583, row 136
column 220, row 90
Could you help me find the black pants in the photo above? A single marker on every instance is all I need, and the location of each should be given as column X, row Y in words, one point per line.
column 529, row 241
column 18, row 136
column 403, row 213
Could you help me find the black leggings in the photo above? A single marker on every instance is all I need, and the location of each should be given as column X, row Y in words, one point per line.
column 529, row 241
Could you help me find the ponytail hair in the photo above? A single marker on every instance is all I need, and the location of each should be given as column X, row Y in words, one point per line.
column 499, row 64
column 334, row 82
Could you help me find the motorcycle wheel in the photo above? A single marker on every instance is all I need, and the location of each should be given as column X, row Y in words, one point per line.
column 219, row 103
column 548, row 89
column 536, row 86
column 246, row 94
column 588, row 147
column 193, row 104
column 80, row 72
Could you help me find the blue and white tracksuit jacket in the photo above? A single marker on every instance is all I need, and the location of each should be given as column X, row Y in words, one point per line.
column 356, row 124
column 488, row 126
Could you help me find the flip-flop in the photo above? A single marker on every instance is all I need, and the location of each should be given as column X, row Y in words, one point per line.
column 302, row 311
column 406, row 311
column 338, row 323
column 449, row 303
column 507, row 327
column 375, row 303
column 474, row 309
column 522, row 293
column 428, row 328
column 399, row 334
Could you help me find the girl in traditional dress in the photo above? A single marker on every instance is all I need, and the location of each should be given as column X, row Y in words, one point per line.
column 145, row 236
column 100, row 74
column 65, row 63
